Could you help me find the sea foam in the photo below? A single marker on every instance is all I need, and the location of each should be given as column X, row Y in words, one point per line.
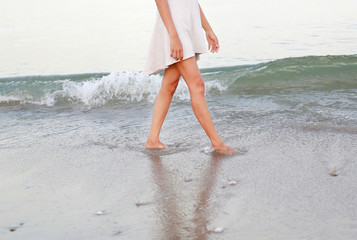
column 126, row 87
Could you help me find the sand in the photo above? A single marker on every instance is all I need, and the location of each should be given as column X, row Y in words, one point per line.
column 281, row 191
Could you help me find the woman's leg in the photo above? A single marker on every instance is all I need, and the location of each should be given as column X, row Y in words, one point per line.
column 188, row 69
column 162, row 104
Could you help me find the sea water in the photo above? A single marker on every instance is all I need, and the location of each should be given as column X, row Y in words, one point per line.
column 75, row 111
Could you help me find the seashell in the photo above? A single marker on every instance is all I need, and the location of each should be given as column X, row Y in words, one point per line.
column 232, row 183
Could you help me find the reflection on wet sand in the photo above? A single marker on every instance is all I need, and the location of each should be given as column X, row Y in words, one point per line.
column 184, row 213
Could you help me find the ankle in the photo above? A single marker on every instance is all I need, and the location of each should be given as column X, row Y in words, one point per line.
column 217, row 143
column 153, row 139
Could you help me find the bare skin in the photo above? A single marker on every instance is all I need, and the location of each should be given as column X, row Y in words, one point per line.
column 188, row 69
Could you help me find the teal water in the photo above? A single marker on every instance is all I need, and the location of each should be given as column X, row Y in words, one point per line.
column 319, row 90
column 289, row 76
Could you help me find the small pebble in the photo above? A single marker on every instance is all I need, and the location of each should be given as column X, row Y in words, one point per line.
column 188, row 180
column 218, row 230
column 232, row 183
column 117, row 233
column 333, row 173
column 15, row 228
column 100, row 212
column 198, row 208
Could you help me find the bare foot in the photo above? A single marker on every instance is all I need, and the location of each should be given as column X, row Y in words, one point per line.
column 225, row 150
column 154, row 145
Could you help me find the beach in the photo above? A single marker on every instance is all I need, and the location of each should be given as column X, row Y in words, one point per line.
column 76, row 109
column 77, row 168
column 285, row 187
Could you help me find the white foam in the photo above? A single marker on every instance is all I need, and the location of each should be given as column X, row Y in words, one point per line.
column 13, row 98
column 8, row 99
column 118, row 86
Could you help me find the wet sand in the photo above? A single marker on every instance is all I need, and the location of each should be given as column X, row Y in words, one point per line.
column 289, row 185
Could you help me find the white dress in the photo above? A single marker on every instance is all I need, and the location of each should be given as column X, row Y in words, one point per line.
column 187, row 20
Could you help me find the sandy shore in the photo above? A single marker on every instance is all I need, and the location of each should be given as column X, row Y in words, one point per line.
column 286, row 191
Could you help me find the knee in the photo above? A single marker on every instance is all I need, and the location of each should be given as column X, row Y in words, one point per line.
column 198, row 86
column 169, row 89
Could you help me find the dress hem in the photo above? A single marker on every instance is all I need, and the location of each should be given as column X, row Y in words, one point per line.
column 160, row 70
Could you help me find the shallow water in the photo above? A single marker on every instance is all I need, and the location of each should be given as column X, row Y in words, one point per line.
column 58, row 175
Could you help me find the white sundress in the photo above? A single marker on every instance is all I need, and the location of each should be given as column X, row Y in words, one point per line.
column 187, row 20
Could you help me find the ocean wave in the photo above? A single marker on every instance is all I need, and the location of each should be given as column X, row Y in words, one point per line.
column 311, row 73
column 123, row 87
column 290, row 75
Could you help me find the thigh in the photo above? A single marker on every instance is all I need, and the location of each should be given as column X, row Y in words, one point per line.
column 189, row 70
column 171, row 76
